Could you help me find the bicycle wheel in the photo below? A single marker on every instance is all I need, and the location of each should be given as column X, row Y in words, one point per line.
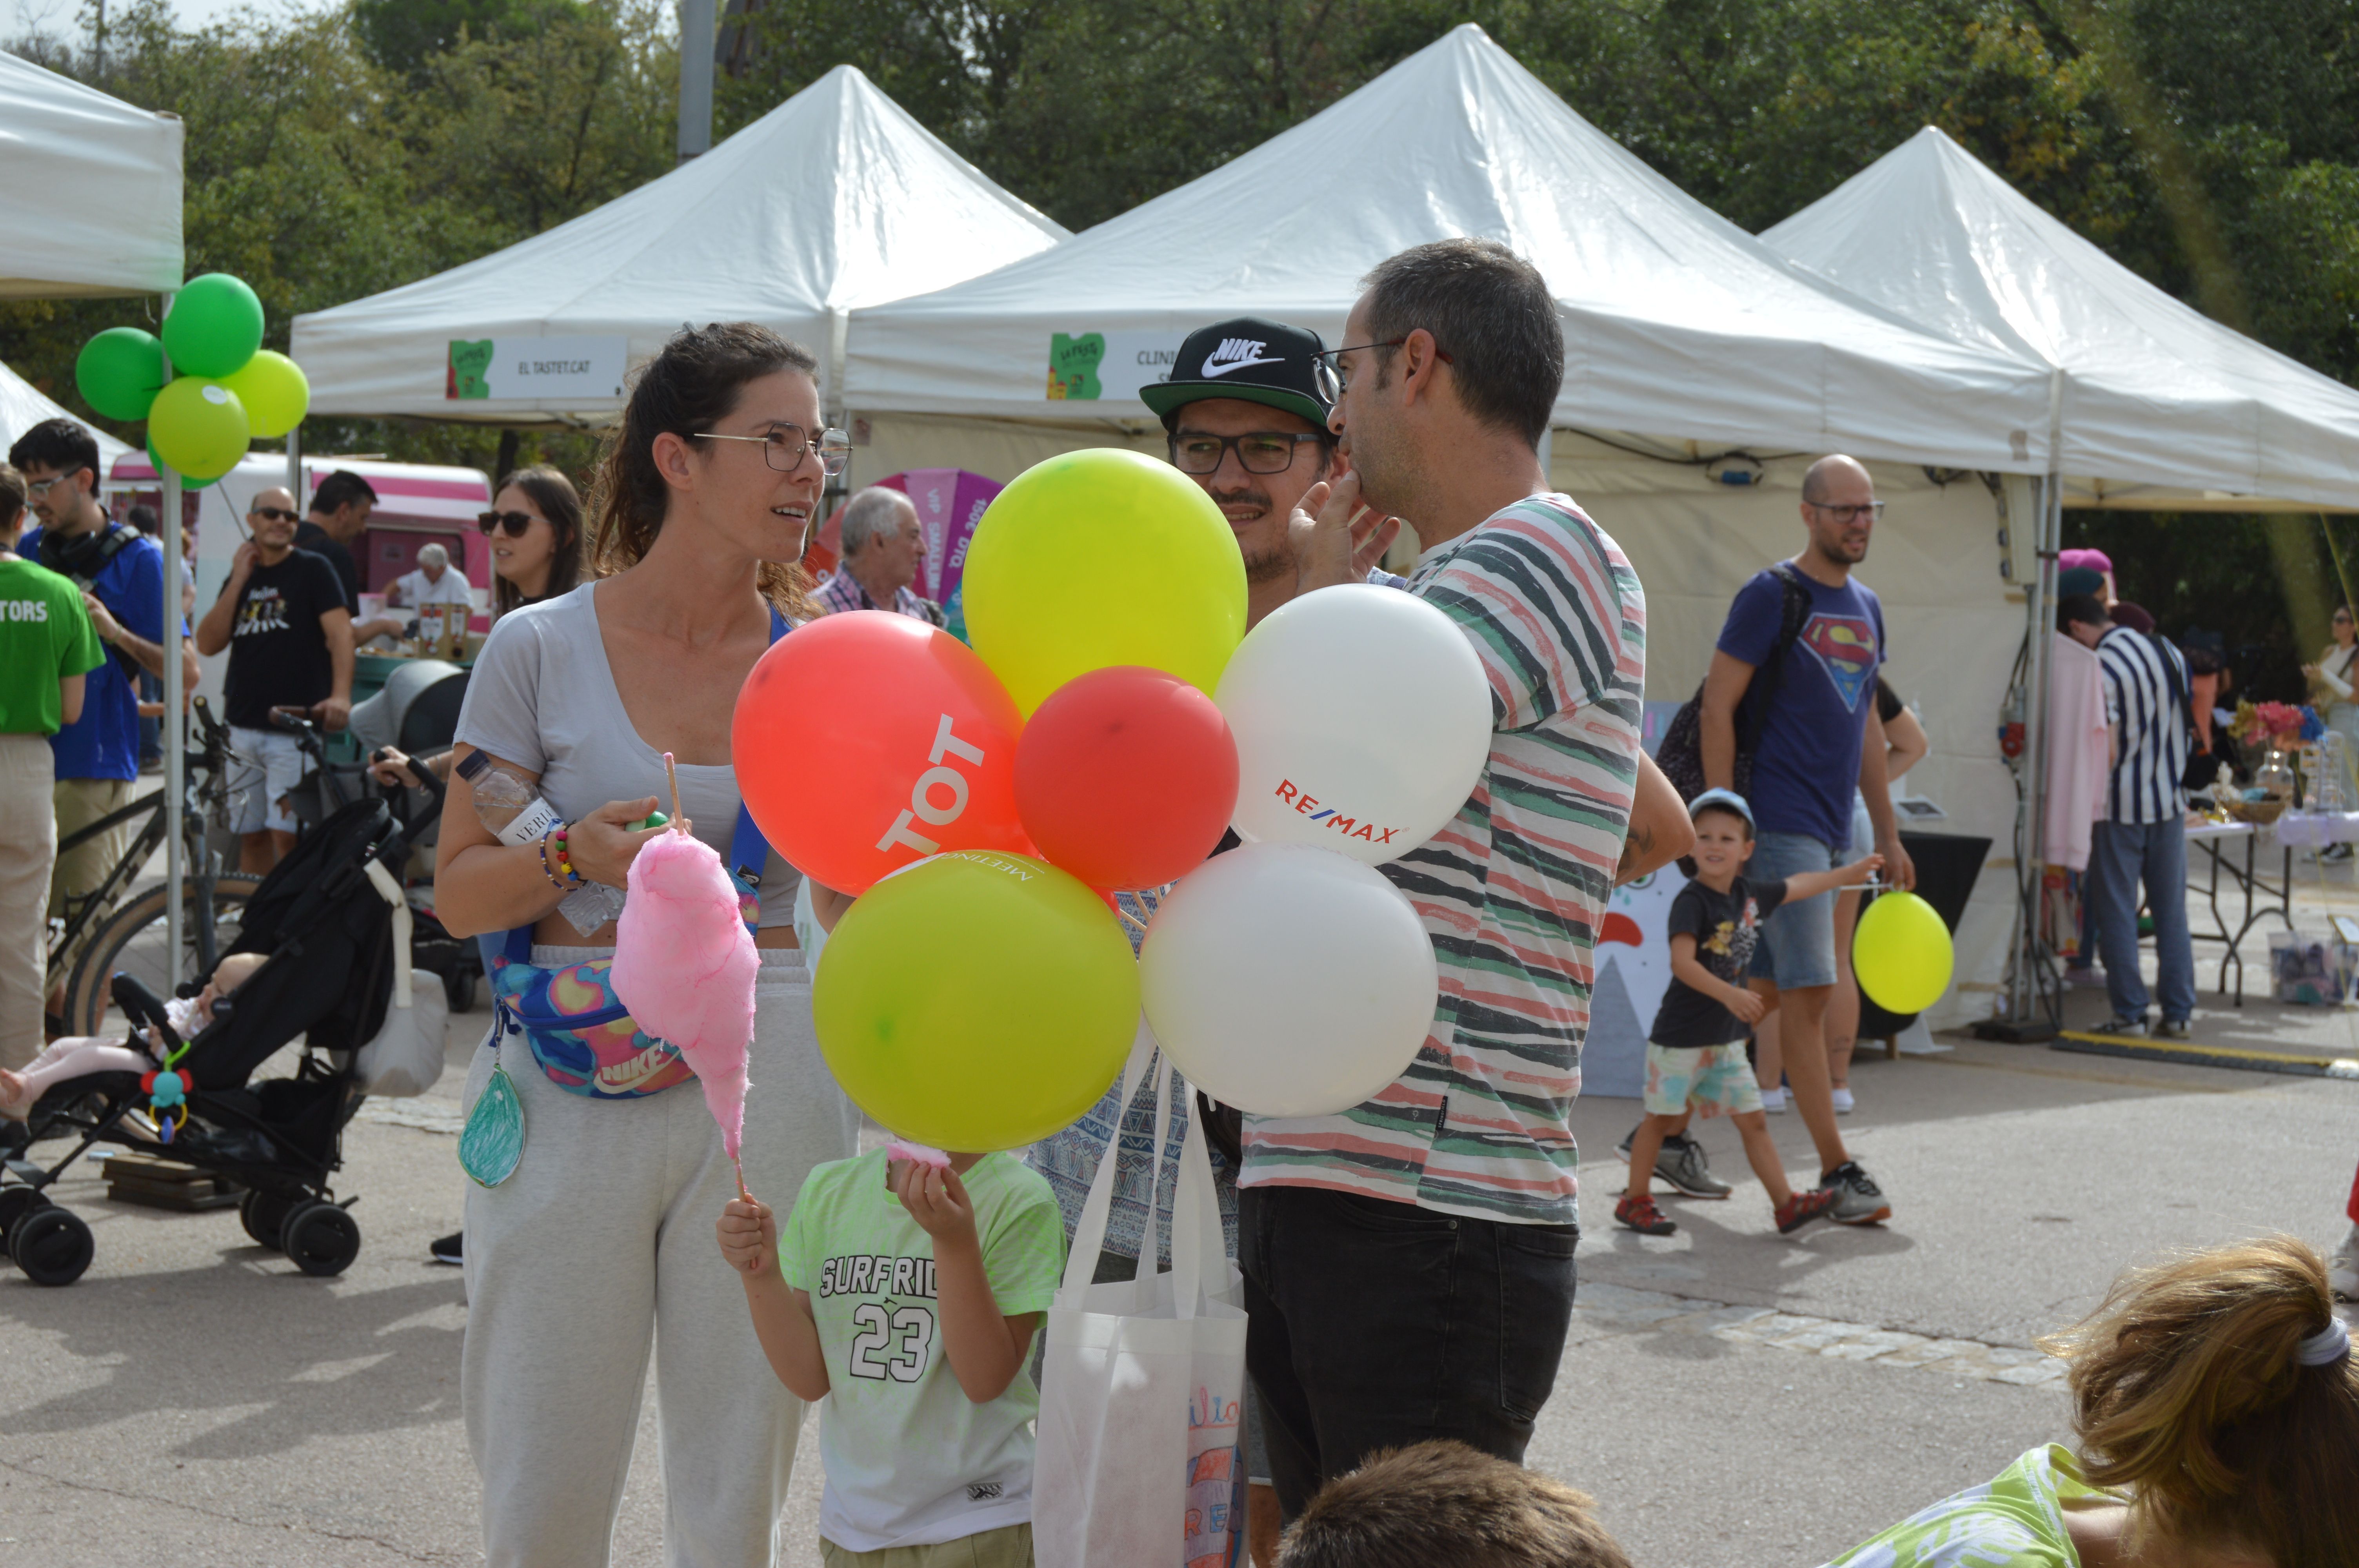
column 133, row 941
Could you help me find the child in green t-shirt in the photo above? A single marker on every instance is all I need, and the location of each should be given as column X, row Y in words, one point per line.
column 905, row 1295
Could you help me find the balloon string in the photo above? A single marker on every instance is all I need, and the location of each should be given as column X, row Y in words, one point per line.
column 672, row 773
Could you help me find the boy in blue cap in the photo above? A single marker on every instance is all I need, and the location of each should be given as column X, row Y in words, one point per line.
column 1695, row 1055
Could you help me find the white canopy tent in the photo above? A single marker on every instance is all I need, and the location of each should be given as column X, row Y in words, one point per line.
column 835, row 200
column 1678, row 323
column 91, row 204
column 22, row 406
column 2153, row 404
column 2158, row 404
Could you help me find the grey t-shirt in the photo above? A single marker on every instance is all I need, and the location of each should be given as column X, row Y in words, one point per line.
column 543, row 697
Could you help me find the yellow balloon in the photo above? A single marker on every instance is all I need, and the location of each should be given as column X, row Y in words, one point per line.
column 275, row 391
column 976, row 1000
column 199, row 427
column 1104, row 558
column 1901, row 953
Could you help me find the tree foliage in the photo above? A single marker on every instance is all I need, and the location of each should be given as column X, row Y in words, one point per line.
column 2213, row 150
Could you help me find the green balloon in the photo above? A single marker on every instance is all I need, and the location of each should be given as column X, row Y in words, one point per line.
column 119, row 372
column 160, row 465
column 199, row 427
column 214, row 326
column 976, row 1000
column 274, row 392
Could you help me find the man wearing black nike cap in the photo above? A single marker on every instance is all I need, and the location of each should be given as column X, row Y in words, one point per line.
column 1246, row 412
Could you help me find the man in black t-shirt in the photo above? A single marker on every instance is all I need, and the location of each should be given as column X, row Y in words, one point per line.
column 339, row 510
column 282, row 616
column 1695, row 1056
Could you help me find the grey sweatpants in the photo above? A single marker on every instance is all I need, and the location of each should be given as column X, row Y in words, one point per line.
column 601, row 1244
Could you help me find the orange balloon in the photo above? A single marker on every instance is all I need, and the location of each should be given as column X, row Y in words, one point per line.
column 866, row 740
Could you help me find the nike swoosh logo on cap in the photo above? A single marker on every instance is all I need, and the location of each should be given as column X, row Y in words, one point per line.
column 1213, row 368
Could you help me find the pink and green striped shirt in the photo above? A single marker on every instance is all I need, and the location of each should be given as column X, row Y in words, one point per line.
column 1513, row 890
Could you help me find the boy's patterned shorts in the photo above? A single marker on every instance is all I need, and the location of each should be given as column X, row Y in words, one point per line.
column 1702, row 1076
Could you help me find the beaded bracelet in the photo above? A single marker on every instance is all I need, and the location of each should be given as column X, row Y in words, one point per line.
column 564, row 864
column 555, row 880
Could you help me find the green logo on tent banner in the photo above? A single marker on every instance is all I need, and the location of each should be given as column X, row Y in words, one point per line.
column 468, row 364
column 1073, row 364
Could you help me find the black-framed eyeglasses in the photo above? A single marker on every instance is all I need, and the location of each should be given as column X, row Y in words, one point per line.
column 1328, row 363
column 274, row 514
column 514, row 524
column 1258, row 452
column 783, row 447
column 1872, row 510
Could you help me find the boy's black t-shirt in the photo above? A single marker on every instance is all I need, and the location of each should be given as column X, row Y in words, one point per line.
column 278, row 654
column 1725, row 925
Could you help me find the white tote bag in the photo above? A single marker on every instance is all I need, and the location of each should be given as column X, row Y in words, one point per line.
column 405, row 1057
column 1142, row 1381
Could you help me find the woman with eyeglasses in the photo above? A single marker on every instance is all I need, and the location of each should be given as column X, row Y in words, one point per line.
column 596, row 1246
column 2332, row 681
column 535, row 529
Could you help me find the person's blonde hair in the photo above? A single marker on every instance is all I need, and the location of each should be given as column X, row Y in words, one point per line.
column 2187, row 1390
column 691, row 385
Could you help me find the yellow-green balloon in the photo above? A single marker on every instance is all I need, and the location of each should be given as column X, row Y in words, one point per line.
column 976, row 1000
column 1901, row 953
column 187, row 482
column 1103, row 557
column 275, row 391
column 199, row 427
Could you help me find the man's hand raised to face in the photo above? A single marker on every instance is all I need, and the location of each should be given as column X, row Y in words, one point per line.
column 1335, row 536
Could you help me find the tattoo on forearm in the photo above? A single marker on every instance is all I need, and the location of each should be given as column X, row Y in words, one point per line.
column 1640, row 842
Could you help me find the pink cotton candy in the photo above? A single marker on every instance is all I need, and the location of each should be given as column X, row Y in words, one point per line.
column 901, row 1149
column 685, row 964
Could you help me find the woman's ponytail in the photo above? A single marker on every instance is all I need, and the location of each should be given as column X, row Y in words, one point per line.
column 2192, row 1389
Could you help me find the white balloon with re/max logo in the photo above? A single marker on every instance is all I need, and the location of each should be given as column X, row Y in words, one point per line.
column 1288, row 980
column 1362, row 719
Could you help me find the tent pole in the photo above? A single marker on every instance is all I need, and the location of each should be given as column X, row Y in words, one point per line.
column 696, row 37
column 2031, row 956
column 175, row 726
column 294, row 464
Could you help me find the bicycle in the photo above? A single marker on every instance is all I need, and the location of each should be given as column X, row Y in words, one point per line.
column 131, row 937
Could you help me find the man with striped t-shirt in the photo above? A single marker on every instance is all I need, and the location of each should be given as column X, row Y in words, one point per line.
column 1409, row 1263
column 2141, row 837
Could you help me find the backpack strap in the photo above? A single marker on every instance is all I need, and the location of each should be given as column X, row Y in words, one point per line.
column 1793, row 613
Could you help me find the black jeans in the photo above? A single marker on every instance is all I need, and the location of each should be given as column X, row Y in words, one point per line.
column 1375, row 1325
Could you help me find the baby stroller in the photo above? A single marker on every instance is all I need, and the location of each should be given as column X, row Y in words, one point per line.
column 329, row 932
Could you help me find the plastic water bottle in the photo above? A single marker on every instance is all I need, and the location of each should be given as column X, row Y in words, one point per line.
column 507, row 804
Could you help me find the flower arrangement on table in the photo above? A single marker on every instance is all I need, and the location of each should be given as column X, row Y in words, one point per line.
column 2277, row 725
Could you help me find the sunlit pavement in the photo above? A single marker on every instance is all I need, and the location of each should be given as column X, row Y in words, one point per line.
column 1730, row 1397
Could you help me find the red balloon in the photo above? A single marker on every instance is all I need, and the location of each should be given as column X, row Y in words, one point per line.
column 1127, row 777
column 866, row 740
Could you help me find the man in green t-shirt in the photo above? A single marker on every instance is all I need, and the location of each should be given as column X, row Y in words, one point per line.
column 47, row 645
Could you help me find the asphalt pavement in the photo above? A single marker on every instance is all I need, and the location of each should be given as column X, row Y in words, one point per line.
column 1729, row 1396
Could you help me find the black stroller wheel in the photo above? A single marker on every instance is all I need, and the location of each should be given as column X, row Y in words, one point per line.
column 52, row 1246
column 459, row 990
column 320, row 1240
column 16, row 1203
column 264, row 1214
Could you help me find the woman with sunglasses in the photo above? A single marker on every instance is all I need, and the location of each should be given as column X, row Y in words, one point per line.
column 535, row 529
column 595, row 1247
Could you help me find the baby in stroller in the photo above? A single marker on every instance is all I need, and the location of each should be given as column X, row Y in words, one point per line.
column 77, row 1055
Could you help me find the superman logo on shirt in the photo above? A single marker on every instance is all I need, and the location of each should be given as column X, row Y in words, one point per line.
column 1844, row 647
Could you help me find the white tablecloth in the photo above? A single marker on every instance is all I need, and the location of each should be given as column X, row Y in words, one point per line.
column 2315, row 829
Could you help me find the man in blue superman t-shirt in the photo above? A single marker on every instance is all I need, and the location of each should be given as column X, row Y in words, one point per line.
column 1815, row 739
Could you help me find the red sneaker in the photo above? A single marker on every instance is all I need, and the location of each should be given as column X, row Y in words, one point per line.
column 1803, row 1207
column 1639, row 1213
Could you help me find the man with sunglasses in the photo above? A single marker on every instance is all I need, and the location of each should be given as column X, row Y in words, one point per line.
column 282, row 617
column 1816, row 744
column 120, row 572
